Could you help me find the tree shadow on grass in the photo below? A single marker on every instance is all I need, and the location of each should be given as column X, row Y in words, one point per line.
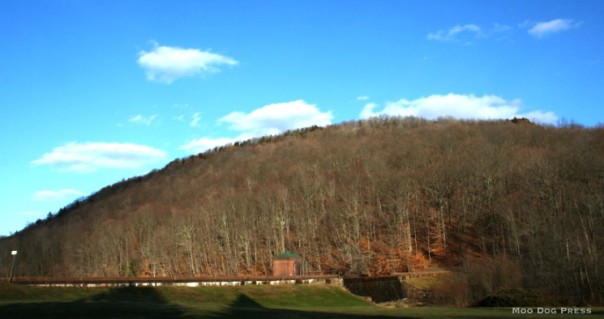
column 146, row 302
column 127, row 302
column 246, row 307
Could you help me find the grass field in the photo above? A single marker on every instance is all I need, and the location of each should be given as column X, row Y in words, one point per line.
column 293, row 301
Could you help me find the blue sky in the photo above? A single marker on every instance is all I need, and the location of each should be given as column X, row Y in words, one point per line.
column 92, row 92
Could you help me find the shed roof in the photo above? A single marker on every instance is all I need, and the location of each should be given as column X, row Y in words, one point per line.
column 288, row 255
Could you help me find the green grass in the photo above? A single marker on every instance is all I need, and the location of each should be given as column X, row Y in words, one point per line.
column 426, row 283
column 288, row 301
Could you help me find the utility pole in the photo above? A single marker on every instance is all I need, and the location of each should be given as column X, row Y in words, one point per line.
column 12, row 269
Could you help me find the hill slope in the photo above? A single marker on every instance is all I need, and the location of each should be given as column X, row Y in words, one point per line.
column 512, row 204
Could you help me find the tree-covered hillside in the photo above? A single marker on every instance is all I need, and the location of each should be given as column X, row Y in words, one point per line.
column 506, row 204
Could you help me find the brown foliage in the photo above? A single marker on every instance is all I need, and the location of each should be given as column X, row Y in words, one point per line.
column 366, row 197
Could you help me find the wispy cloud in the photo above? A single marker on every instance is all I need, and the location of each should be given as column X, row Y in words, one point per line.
column 457, row 33
column 500, row 28
column 166, row 64
column 267, row 120
column 465, row 34
column 195, row 119
column 52, row 195
column 89, row 157
column 362, row 98
column 542, row 29
column 141, row 119
column 458, row 106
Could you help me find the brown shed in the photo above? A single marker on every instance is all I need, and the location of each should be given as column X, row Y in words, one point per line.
column 287, row 264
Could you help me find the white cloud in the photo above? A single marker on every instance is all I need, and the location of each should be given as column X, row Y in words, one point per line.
column 166, row 64
column 458, row 106
column 270, row 119
column 277, row 117
column 196, row 118
column 540, row 116
column 362, row 98
column 206, row 143
column 51, row 195
column 542, row 29
column 456, row 33
column 141, row 119
column 88, row 157
column 368, row 111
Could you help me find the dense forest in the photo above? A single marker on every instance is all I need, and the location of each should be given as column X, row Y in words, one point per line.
column 504, row 204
